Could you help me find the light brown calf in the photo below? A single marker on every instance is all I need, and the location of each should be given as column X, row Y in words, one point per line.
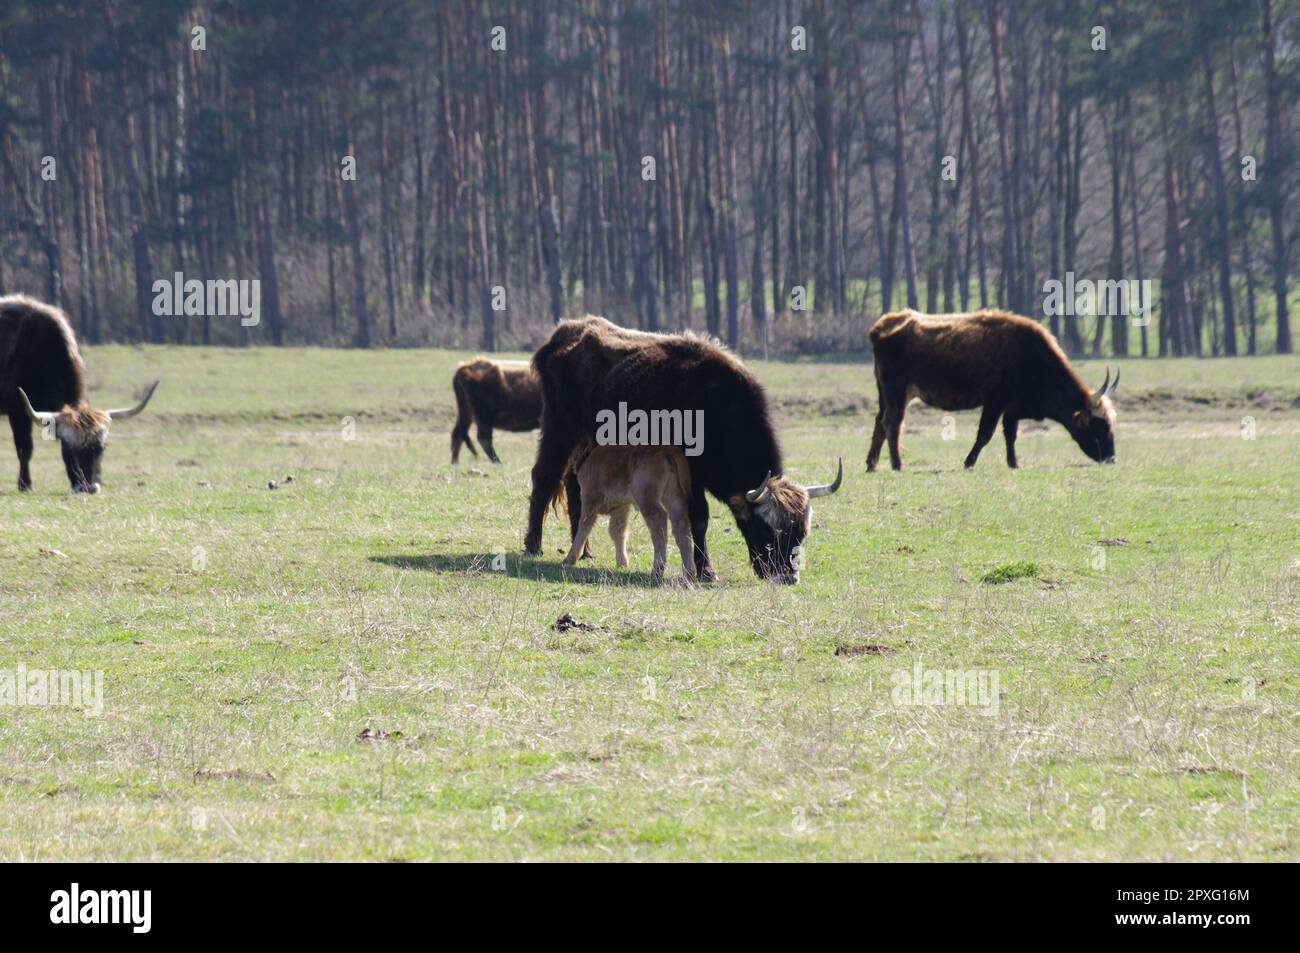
column 656, row 480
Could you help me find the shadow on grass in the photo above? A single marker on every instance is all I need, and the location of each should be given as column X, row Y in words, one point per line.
column 519, row 567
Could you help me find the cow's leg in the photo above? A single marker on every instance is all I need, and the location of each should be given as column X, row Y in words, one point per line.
column 553, row 450
column 485, row 438
column 1009, row 425
column 618, row 533
column 877, row 441
column 585, row 524
column 894, row 417
column 699, row 514
column 988, row 423
column 22, row 428
column 460, row 432
column 656, row 518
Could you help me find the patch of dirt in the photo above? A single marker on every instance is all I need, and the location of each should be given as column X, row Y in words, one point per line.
column 1210, row 769
column 851, row 650
column 238, row 774
column 567, row 622
column 379, row 734
column 1113, row 541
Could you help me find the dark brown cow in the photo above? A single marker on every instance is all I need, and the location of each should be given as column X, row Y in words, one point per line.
column 41, row 366
column 590, row 365
column 505, row 394
column 1008, row 365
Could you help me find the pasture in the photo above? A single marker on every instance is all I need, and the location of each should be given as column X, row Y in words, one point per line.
column 360, row 664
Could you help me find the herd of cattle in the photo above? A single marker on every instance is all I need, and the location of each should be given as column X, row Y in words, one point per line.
column 1008, row 366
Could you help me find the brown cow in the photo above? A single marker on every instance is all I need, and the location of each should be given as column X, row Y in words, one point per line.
column 1010, row 366
column 656, row 480
column 503, row 394
column 41, row 366
column 590, row 366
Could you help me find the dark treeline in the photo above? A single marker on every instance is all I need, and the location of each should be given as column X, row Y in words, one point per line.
column 401, row 172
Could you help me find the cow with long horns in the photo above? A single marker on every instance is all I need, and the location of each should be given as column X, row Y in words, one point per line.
column 1008, row 365
column 590, row 366
column 41, row 366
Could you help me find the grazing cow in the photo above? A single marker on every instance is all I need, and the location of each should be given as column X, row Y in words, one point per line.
column 503, row 394
column 1008, row 365
column 41, row 366
column 590, row 365
column 656, row 480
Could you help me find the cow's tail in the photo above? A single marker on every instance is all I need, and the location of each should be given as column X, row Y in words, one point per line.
column 560, row 501
column 464, row 414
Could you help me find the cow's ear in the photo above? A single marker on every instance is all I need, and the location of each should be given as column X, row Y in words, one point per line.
column 739, row 506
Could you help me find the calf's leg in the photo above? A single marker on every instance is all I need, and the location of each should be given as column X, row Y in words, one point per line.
column 679, row 518
column 585, row 524
column 656, row 518
column 618, row 533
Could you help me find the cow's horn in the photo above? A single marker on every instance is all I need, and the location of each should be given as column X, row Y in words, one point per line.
column 39, row 417
column 826, row 489
column 757, row 495
column 1115, row 386
column 1100, row 392
column 123, row 412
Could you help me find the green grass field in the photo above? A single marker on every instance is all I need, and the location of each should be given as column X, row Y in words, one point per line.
column 334, row 669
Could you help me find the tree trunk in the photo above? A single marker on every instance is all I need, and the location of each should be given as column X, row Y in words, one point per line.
column 1275, row 163
column 1221, row 243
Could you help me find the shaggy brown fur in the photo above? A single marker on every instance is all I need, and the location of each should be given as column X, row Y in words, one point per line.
column 590, row 365
column 38, row 353
column 504, row 394
column 1007, row 364
column 656, row 480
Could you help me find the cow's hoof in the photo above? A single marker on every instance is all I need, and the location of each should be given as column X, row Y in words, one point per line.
column 24, row 488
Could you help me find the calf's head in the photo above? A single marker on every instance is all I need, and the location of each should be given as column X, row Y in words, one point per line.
column 1093, row 425
column 82, row 432
column 774, row 518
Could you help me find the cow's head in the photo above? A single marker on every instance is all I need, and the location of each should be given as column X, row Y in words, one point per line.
column 1093, row 425
column 82, row 432
column 774, row 518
